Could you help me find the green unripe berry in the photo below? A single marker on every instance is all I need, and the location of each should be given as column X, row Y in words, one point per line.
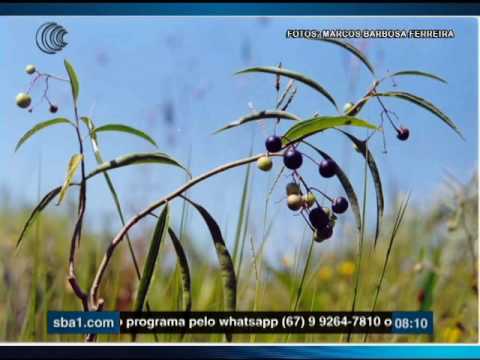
column 23, row 100
column 30, row 69
column 347, row 107
column 294, row 202
column 264, row 163
column 309, row 199
column 293, row 189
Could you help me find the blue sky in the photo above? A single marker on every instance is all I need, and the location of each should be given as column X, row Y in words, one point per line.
column 174, row 78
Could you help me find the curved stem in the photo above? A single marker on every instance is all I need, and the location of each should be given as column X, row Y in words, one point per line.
column 77, row 233
column 135, row 219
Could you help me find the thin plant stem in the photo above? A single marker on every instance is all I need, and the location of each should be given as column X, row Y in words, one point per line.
column 396, row 226
column 362, row 237
column 302, row 281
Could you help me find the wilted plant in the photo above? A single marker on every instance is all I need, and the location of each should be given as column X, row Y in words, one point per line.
column 292, row 146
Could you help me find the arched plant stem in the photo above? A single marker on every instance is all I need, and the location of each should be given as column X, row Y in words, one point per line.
column 135, row 219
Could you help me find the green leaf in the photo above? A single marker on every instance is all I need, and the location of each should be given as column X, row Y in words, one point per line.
column 225, row 260
column 266, row 114
column 159, row 234
column 312, row 126
column 424, row 104
column 135, row 159
column 73, row 80
column 40, row 126
column 184, row 271
column 362, row 149
column 352, row 49
column 292, row 75
column 347, row 186
column 73, row 165
column 416, row 73
column 36, row 211
column 125, row 129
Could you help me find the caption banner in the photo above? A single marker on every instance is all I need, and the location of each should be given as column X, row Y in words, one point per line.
column 405, row 322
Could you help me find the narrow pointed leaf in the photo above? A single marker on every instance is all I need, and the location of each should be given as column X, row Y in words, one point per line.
column 424, row 104
column 362, row 148
column 417, row 73
column 126, row 129
column 266, row 114
column 73, row 165
column 159, row 234
column 184, row 271
column 352, row 49
column 347, row 186
column 292, row 75
column 136, row 159
column 312, row 126
column 36, row 211
column 73, row 80
column 225, row 260
column 40, row 126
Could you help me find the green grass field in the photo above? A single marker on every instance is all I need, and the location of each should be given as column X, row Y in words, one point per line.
column 432, row 266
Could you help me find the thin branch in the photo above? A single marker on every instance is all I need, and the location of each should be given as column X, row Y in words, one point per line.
column 135, row 219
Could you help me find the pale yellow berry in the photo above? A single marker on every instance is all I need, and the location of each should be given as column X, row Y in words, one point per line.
column 30, row 69
column 294, row 202
column 264, row 163
column 23, row 100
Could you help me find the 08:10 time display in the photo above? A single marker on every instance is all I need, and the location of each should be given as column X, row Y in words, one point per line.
column 367, row 322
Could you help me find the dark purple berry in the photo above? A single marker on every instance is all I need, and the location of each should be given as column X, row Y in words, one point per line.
column 403, row 133
column 273, row 143
column 53, row 108
column 327, row 168
column 318, row 218
column 292, row 159
column 339, row 205
column 323, row 233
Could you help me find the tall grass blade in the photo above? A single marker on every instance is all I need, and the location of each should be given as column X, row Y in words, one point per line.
column 159, row 234
column 224, row 259
column 396, row 225
column 362, row 236
column 242, row 213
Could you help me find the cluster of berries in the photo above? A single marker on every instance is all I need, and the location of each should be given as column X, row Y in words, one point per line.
column 24, row 99
column 320, row 219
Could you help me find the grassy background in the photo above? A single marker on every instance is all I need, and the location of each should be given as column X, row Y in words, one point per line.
column 432, row 254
